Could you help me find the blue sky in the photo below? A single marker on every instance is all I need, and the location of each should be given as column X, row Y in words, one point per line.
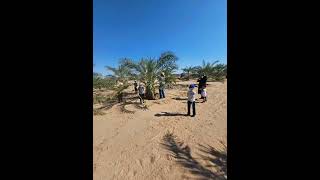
column 193, row 29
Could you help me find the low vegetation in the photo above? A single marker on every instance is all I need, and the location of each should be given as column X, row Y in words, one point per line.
column 147, row 71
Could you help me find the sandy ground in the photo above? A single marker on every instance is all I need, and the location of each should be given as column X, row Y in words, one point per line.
column 161, row 142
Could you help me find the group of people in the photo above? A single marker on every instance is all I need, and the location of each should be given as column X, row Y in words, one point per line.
column 202, row 87
column 191, row 94
column 141, row 91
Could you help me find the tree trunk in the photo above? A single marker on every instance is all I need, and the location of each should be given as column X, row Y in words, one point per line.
column 149, row 94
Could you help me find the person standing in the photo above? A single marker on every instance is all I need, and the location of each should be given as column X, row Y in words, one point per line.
column 120, row 97
column 191, row 100
column 162, row 85
column 135, row 84
column 141, row 93
column 204, row 83
column 200, row 81
column 204, row 80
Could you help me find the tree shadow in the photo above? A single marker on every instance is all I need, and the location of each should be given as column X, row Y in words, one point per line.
column 182, row 155
column 108, row 104
column 127, row 100
column 130, row 93
column 180, row 86
column 137, row 105
column 217, row 158
column 195, row 102
column 169, row 114
column 179, row 99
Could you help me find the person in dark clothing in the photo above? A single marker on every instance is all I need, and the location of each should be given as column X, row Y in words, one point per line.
column 204, row 85
column 161, row 85
column 204, row 79
column 135, row 84
column 202, row 82
column 120, row 97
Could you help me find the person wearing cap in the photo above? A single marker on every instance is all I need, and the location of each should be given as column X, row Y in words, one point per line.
column 161, row 85
column 191, row 100
column 141, row 93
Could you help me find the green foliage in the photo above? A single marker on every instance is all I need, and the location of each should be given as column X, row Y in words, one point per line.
column 148, row 70
column 219, row 72
column 100, row 82
column 213, row 71
column 188, row 70
column 121, row 73
column 121, row 76
column 170, row 77
column 98, row 112
column 98, row 99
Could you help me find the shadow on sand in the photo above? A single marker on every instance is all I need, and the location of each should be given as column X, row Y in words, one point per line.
column 180, row 99
column 169, row 114
column 195, row 101
column 186, row 99
column 182, row 155
column 127, row 101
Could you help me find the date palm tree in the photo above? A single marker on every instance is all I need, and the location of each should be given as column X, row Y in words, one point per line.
column 148, row 70
column 121, row 76
column 188, row 70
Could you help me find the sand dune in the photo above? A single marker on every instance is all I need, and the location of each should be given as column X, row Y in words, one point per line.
column 160, row 141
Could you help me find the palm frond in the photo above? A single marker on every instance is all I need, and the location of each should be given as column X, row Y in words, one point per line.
column 167, row 60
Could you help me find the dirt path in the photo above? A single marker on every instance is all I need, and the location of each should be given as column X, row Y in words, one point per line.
column 161, row 142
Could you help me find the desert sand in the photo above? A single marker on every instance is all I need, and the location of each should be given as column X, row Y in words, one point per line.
column 160, row 141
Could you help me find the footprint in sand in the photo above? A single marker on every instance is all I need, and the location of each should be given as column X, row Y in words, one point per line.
column 94, row 167
column 152, row 159
column 140, row 162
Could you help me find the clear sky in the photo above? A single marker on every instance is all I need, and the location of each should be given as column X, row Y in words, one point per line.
column 194, row 30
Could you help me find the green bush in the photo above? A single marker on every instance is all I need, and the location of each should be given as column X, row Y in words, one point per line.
column 98, row 99
column 99, row 82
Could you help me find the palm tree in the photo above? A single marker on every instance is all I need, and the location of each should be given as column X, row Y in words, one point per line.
column 95, row 74
column 99, row 81
column 219, row 72
column 148, row 70
column 121, row 75
column 188, row 70
column 207, row 68
column 211, row 70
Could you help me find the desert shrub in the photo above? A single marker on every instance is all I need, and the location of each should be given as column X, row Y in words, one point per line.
column 98, row 112
column 100, row 82
column 98, row 99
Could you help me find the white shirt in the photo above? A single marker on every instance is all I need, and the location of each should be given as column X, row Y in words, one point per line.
column 191, row 95
column 204, row 93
